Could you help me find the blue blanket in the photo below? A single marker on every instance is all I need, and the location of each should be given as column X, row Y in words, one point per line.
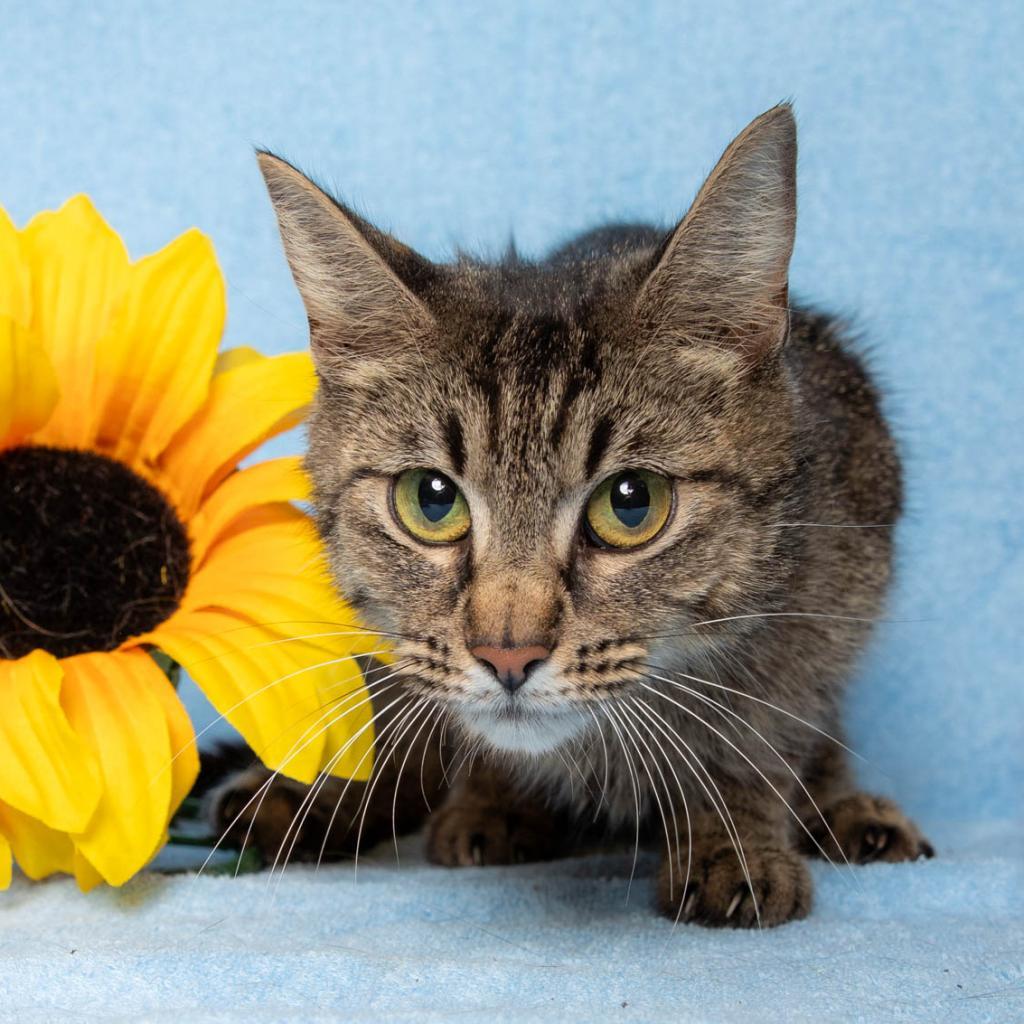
column 935, row 942
column 457, row 125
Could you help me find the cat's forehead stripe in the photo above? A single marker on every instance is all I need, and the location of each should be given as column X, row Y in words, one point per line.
column 582, row 372
column 600, row 439
column 455, row 441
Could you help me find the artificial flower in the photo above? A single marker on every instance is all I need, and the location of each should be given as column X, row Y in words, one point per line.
column 127, row 528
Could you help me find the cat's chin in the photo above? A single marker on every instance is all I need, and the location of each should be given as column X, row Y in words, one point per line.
column 529, row 733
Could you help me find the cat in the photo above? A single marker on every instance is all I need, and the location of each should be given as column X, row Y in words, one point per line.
column 602, row 505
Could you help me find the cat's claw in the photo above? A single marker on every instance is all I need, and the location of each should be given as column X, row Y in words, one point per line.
column 735, row 903
column 720, row 894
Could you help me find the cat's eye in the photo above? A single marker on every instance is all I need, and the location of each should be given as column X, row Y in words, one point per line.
column 430, row 506
column 628, row 509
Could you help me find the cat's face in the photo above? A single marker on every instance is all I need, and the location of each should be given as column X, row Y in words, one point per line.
column 537, row 479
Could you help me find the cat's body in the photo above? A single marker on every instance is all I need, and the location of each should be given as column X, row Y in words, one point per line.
column 649, row 531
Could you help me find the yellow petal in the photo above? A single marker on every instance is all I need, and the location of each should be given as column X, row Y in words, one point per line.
column 229, row 358
column 86, row 875
column 266, row 689
column 263, row 635
column 348, row 745
column 15, row 281
column 5, row 862
column 274, row 573
column 28, row 385
column 275, row 567
column 230, row 505
column 40, row 851
column 46, row 770
column 247, row 404
column 184, row 766
column 113, row 701
column 153, row 364
column 79, row 270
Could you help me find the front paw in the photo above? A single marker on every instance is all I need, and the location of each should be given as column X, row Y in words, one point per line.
column 253, row 811
column 283, row 821
column 471, row 833
column 869, row 828
column 718, row 893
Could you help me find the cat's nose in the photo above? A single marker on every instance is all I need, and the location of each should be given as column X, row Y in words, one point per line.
column 511, row 665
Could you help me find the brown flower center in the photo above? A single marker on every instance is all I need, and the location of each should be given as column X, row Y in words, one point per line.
column 90, row 553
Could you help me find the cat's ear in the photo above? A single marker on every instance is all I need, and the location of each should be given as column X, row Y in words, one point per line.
column 721, row 278
column 353, row 278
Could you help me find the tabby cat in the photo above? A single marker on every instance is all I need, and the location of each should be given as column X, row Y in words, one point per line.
column 602, row 504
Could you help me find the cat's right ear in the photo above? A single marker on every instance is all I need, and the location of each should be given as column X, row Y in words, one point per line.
column 721, row 278
column 350, row 275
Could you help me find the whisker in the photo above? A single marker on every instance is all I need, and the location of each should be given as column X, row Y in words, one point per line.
column 723, row 812
column 277, row 642
column 423, row 756
column 569, row 765
column 472, row 748
column 836, row 526
column 378, row 762
column 604, row 749
column 290, row 754
column 306, row 638
column 401, row 769
column 692, row 629
column 324, row 774
column 774, row 707
column 408, row 720
column 707, row 700
column 686, row 812
column 440, row 750
column 250, row 696
column 364, row 691
column 271, row 624
column 310, row 735
column 628, row 719
column 725, row 739
column 359, row 690
column 634, row 780
column 578, row 749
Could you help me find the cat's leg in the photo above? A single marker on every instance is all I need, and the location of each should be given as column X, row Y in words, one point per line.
column 705, row 880
column 866, row 827
column 284, row 820
column 485, row 821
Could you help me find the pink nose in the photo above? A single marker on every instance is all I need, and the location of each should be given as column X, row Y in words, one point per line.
column 511, row 665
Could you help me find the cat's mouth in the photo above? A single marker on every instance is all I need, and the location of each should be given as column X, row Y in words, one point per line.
column 518, row 728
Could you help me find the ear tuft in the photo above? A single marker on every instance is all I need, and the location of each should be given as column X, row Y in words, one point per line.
column 357, row 304
column 722, row 276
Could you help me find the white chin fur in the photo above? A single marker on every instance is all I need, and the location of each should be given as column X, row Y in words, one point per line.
column 536, row 734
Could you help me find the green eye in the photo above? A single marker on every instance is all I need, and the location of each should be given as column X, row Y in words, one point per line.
column 430, row 506
column 628, row 509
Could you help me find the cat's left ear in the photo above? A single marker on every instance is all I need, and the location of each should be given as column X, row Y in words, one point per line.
column 722, row 276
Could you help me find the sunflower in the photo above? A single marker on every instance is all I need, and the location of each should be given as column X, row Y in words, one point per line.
column 128, row 534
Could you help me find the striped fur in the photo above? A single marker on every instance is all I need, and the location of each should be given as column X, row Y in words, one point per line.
column 710, row 661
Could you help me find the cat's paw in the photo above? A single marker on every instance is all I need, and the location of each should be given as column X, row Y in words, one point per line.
column 869, row 828
column 472, row 833
column 718, row 893
column 275, row 817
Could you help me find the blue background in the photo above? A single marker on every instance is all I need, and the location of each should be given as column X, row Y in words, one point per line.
column 459, row 124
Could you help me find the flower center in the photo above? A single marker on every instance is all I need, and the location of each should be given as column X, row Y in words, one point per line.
column 90, row 553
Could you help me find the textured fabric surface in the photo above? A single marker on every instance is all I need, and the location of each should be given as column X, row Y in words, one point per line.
column 937, row 942
column 457, row 125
